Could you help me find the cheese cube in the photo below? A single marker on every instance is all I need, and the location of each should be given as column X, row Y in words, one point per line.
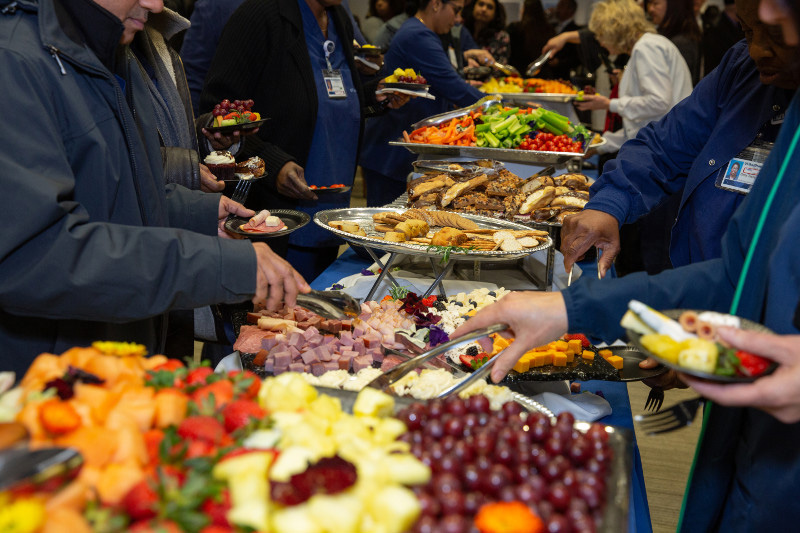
column 605, row 354
column 560, row 359
column 587, row 354
column 560, row 346
column 523, row 365
column 570, row 355
column 616, row 361
column 575, row 345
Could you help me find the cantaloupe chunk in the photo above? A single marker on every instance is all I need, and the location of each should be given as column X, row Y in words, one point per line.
column 106, row 368
column 588, row 354
column 79, row 357
column 616, row 361
column 149, row 363
column 29, row 417
column 116, row 480
column 170, row 407
column 130, row 447
column 135, row 404
column 97, row 445
column 73, row 496
column 99, row 399
column 44, row 368
column 65, row 520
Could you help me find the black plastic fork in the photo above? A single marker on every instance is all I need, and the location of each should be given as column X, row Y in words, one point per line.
column 678, row 416
column 654, row 399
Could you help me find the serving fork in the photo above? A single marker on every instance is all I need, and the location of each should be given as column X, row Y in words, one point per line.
column 678, row 416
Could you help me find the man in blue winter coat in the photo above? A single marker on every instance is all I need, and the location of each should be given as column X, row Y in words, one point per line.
column 94, row 247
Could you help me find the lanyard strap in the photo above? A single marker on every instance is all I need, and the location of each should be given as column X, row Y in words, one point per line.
column 737, row 297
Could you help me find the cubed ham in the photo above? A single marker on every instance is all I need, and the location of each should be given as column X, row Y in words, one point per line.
column 290, row 314
column 315, row 320
column 310, row 332
column 358, row 331
column 390, row 361
column 361, row 362
column 347, row 325
column 295, row 339
column 346, row 338
column 269, row 342
column 334, row 326
column 331, row 365
column 282, row 359
column 307, row 368
column 310, row 356
column 377, row 355
column 323, row 353
column 349, row 354
column 314, row 340
column 278, row 371
column 269, row 365
column 294, row 351
column 296, row 367
column 345, row 363
column 317, row 369
column 358, row 346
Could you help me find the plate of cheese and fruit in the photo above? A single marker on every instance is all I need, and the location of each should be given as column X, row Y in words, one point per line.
column 267, row 224
column 232, row 116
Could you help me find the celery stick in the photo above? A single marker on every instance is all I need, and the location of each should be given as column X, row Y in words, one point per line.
column 491, row 139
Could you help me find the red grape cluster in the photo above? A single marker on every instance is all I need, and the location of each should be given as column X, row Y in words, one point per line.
column 226, row 106
column 409, row 79
column 478, row 456
column 329, row 475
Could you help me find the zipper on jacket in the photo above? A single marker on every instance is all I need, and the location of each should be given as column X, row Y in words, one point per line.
column 54, row 52
column 10, row 9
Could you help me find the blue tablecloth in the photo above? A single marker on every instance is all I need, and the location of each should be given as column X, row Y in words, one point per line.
column 616, row 394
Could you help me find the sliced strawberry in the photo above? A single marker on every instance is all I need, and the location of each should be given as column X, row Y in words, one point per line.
column 204, row 428
column 246, row 381
column 170, row 365
column 141, row 501
column 238, row 414
column 217, row 508
column 222, row 391
column 197, row 376
column 466, row 359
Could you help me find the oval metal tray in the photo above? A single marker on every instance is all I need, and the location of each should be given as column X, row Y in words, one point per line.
column 523, row 97
column 363, row 217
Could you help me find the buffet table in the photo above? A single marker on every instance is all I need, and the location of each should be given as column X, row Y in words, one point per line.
column 615, row 392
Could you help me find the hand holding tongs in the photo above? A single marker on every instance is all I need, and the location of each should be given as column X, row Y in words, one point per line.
column 330, row 304
column 385, row 381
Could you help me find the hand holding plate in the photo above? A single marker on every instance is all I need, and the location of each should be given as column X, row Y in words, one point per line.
column 209, row 182
column 291, row 182
column 778, row 393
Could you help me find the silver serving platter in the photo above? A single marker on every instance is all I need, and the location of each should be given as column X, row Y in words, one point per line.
column 510, row 155
column 522, row 97
column 363, row 217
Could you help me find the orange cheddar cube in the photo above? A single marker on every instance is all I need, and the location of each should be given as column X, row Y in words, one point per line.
column 605, row 354
column 574, row 345
column 560, row 359
column 539, row 359
column 588, row 354
column 560, row 346
column 523, row 365
column 616, row 361
column 570, row 355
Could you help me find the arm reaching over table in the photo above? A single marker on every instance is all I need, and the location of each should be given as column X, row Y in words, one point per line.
column 534, row 318
column 586, row 229
column 778, row 393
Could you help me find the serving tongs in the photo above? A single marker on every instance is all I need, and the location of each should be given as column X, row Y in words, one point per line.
column 469, row 167
column 335, row 305
column 22, row 468
column 507, row 70
column 536, row 65
column 385, row 381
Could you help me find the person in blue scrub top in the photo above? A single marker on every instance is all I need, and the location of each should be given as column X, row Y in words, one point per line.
column 294, row 59
column 747, row 464
column 417, row 45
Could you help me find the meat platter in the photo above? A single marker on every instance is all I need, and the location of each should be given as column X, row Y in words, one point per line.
column 373, row 238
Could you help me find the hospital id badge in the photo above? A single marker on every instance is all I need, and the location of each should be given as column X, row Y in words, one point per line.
column 334, row 84
column 742, row 171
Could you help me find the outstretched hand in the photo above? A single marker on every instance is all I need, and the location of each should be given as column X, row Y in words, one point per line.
column 534, row 318
column 586, row 229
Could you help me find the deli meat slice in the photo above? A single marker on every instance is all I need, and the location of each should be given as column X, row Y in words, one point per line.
column 249, row 340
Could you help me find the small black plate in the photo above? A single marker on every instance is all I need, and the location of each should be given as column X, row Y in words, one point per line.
column 631, row 357
column 246, row 126
column 331, row 191
column 367, row 52
column 294, row 220
column 674, row 314
column 407, row 86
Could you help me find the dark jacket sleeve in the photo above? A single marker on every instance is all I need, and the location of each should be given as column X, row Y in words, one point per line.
column 181, row 166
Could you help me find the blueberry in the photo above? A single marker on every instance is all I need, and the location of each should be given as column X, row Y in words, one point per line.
column 459, row 304
column 493, row 294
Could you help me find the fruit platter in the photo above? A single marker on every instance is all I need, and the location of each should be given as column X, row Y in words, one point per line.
column 490, row 129
column 232, row 116
column 486, row 188
column 406, row 79
column 516, row 89
column 686, row 341
column 171, row 447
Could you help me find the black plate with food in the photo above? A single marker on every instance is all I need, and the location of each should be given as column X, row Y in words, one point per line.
column 407, row 86
column 579, row 369
column 293, row 220
column 631, row 357
column 331, row 191
column 635, row 339
column 245, row 126
column 367, row 51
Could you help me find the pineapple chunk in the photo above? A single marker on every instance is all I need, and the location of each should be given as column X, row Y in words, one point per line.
column 394, row 509
column 372, row 402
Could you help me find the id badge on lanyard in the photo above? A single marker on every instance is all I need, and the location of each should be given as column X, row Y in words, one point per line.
column 334, row 84
column 741, row 172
